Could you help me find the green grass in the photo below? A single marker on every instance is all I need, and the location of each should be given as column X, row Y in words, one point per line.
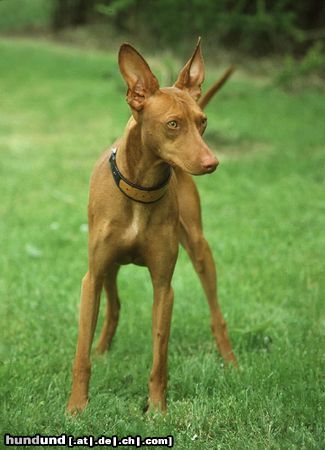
column 263, row 215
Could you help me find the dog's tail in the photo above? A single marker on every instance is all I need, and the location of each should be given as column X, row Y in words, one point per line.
column 215, row 88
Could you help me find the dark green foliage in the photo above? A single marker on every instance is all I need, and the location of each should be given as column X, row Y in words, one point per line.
column 258, row 26
column 19, row 15
column 310, row 70
column 71, row 13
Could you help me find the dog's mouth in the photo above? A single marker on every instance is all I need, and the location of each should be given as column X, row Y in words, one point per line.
column 191, row 170
column 182, row 165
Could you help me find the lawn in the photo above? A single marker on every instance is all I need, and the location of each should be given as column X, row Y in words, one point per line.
column 263, row 216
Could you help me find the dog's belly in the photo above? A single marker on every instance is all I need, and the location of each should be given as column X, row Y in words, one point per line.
column 137, row 260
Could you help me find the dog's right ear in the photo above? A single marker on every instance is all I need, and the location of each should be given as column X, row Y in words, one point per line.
column 140, row 80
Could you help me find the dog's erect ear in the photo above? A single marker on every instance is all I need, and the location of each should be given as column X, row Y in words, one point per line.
column 191, row 76
column 140, row 80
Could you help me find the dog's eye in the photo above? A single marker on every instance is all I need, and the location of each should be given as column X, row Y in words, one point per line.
column 204, row 121
column 172, row 124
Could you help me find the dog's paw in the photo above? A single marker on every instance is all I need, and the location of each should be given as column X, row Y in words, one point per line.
column 76, row 405
column 153, row 408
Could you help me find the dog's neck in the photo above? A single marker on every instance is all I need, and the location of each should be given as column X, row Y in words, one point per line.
column 138, row 163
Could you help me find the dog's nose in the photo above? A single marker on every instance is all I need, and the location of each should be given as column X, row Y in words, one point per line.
column 210, row 164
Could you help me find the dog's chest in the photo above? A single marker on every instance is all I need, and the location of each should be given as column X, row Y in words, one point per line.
column 134, row 226
column 141, row 229
column 138, row 236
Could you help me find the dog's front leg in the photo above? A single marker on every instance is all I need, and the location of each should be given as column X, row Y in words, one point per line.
column 90, row 296
column 161, row 318
column 161, row 274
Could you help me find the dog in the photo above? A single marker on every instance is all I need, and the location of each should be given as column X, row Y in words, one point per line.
column 143, row 202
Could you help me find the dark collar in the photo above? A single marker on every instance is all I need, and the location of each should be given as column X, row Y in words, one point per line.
column 134, row 191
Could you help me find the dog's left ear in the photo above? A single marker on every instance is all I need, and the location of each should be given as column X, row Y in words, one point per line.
column 140, row 80
column 191, row 76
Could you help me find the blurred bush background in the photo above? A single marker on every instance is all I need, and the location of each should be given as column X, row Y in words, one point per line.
column 256, row 26
column 292, row 30
column 259, row 26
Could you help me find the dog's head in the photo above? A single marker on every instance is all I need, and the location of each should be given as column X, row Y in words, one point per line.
column 172, row 123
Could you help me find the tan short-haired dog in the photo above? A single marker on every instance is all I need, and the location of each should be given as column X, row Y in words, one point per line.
column 142, row 203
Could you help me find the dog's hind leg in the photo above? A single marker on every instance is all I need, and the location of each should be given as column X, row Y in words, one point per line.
column 197, row 247
column 112, row 311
